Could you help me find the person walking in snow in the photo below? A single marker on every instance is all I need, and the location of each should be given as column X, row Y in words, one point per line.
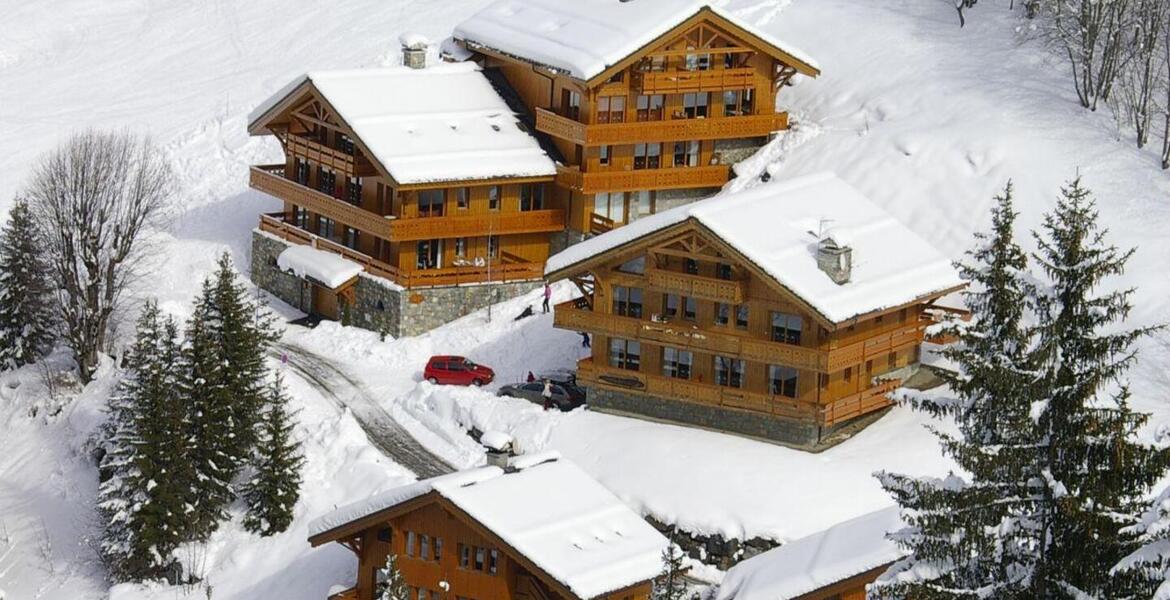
column 547, row 295
column 585, row 340
column 531, row 377
column 547, row 394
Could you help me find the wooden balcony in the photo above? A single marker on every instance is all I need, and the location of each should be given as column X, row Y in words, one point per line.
column 864, row 402
column 270, row 180
column 453, row 226
column 644, row 179
column 498, row 271
column 696, row 286
column 681, row 81
column 670, row 130
column 320, row 153
column 876, row 347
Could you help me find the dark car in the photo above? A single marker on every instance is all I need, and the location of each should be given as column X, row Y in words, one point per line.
column 563, row 397
column 456, row 370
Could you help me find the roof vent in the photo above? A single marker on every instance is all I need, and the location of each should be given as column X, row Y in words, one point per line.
column 414, row 50
column 835, row 259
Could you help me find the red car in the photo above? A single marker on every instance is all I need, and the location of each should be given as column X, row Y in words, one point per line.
column 456, row 370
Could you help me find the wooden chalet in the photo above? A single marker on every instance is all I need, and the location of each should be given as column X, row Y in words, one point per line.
column 539, row 529
column 782, row 312
column 421, row 175
column 648, row 102
column 835, row 564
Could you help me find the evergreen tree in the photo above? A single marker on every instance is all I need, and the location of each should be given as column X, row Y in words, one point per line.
column 958, row 531
column 669, row 585
column 26, row 324
column 392, row 585
column 274, row 488
column 143, row 497
column 1095, row 473
column 1151, row 562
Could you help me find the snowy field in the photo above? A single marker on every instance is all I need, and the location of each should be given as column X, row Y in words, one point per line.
column 927, row 119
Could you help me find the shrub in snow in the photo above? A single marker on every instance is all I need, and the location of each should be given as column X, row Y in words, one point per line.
column 275, row 487
column 26, row 324
column 670, row 585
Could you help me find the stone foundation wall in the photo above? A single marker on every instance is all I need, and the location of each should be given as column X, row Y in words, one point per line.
column 730, row 152
column 791, row 432
column 561, row 240
column 381, row 305
column 668, row 199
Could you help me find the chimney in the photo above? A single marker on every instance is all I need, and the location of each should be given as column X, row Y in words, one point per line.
column 500, row 448
column 836, row 260
column 414, row 50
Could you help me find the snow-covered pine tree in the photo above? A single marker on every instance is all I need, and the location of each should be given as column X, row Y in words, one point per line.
column 392, row 585
column 275, row 486
column 1095, row 472
column 958, row 530
column 143, row 497
column 26, row 322
column 1151, row 562
column 246, row 332
column 210, row 416
column 669, row 585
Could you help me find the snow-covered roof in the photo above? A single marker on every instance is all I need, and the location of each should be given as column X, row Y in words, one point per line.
column 548, row 510
column 774, row 226
column 819, row 560
column 319, row 265
column 586, row 37
column 444, row 122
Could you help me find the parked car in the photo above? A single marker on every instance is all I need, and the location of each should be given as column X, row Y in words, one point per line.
column 563, row 397
column 456, row 370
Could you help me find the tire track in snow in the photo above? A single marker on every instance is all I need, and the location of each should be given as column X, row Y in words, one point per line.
column 386, row 434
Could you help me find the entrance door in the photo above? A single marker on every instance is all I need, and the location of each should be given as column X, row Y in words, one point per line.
column 325, row 303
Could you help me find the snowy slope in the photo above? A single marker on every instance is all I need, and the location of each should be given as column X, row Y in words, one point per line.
column 926, row 119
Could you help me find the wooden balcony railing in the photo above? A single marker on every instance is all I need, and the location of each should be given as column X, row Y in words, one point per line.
column 320, row 153
column 670, row 130
column 853, row 406
column 452, row 226
column 644, row 179
column 599, row 224
column 498, row 271
column 593, row 374
column 270, row 180
column 697, row 286
column 877, row 347
column 680, row 81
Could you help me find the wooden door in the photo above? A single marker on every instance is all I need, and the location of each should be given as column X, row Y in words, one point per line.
column 325, row 303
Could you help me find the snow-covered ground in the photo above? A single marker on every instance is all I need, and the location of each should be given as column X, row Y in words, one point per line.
column 927, row 119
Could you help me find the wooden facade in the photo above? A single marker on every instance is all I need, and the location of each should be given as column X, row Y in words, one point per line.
column 435, row 541
column 853, row 588
column 338, row 198
column 681, row 316
column 661, row 119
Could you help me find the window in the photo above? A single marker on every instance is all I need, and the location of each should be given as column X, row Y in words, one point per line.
column 464, row 556
column 611, row 109
column 438, row 546
column 690, row 308
column 892, row 361
column 729, row 61
column 653, row 63
column 698, row 62
column 625, row 354
column 351, row 238
column 603, row 155
column 493, row 246
column 353, row 190
column 741, row 316
column 424, row 547
column 723, row 271
column 326, row 181
column 670, row 304
column 384, row 534
column 462, row 198
column 494, row 197
column 692, row 266
column 302, row 171
column 430, row 203
column 410, row 540
column 461, row 247
column 686, row 154
column 480, row 557
column 429, row 254
column 848, row 374
column 722, row 313
column 634, row 266
column 676, row 363
column 650, row 107
column 344, row 143
column 627, row 301
column 301, row 217
column 647, row 156
column 782, row 381
column 729, row 371
column 695, row 104
column 738, row 102
column 531, row 196
column 611, row 205
column 493, row 561
column 786, row 328
column 641, row 204
column 326, row 227
column 571, row 104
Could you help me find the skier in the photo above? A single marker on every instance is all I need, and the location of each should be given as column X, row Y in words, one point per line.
column 547, row 295
column 547, row 394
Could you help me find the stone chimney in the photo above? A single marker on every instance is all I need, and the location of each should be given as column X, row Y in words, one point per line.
column 414, row 50
column 500, row 449
column 835, row 259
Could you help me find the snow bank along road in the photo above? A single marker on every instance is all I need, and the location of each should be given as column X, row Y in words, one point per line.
column 390, row 438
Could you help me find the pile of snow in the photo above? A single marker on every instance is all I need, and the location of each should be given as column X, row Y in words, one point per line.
column 819, row 560
column 585, row 37
column 442, row 123
column 777, row 226
column 326, row 268
column 548, row 510
column 496, row 440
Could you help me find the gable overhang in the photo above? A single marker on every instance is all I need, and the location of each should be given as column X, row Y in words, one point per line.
column 706, row 14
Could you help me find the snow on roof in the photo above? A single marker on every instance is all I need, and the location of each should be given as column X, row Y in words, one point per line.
column 548, row 510
column 586, row 37
column 821, row 559
column 496, row 440
column 325, row 267
column 441, row 123
column 772, row 225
